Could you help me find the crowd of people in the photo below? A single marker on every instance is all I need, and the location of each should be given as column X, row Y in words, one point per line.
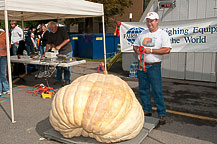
column 31, row 42
column 34, row 39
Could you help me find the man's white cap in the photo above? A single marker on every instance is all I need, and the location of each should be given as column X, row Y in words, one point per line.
column 152, row 16
column 1, row 29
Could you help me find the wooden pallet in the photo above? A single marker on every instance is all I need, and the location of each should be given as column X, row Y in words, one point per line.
column 149, row 125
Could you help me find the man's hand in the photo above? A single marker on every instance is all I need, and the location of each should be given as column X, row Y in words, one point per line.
column 43, row 55
column 136, row 49
column 144, row 50
column 147, row 50
column 58, row 47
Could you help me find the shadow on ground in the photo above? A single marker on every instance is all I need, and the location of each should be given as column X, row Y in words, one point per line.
column 43, row 126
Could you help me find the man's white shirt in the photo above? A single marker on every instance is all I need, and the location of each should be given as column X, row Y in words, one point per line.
column 16, row 34
column 153, row 40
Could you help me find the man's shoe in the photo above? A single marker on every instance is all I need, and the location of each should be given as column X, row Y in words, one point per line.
column 67, row 82
column 58, row 82
column 162, row 120
column 147, row 114
column 7, row 92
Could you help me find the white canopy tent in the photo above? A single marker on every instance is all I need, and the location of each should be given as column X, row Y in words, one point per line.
column 26, row 10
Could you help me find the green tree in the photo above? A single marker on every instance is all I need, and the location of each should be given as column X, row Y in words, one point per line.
column 2, row 24
column 114, row 7
column 31, row 24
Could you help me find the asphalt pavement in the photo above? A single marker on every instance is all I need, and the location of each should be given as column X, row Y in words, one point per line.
column 191, row 110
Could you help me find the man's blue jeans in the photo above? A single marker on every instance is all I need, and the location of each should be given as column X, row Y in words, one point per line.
column 14, row 48
column 4, row 86
column 42, row 49
column 151, row 77
column 30, row 49
column 67, row 72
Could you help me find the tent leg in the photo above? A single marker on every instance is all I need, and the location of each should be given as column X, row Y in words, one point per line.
column 23, row 27
column 103, row 25
column 9, row 66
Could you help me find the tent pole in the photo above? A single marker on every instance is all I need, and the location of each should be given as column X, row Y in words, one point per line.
column 22, row 23
column 23, row 27
column 9, row 65
column 103, row 25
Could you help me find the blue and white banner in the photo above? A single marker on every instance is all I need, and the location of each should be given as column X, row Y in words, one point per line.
column 198, row 35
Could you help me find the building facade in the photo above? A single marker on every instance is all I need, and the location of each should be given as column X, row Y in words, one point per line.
column 200, row 66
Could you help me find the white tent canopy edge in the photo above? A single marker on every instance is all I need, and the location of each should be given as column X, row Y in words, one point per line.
column 23, row 10
column 50, row 9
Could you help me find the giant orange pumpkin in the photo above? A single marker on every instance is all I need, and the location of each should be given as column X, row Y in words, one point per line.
column 100, row 106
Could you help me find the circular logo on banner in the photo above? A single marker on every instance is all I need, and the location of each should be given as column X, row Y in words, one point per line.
column 132, row 34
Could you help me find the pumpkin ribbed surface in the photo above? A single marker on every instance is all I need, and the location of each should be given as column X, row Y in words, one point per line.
column 100, row 106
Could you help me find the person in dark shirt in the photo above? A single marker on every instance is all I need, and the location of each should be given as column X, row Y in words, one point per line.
column 43, row 36
column 28, row 41
column 59, row 39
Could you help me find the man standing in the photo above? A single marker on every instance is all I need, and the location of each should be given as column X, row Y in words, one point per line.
column 28, row 41
column 4, row 86
column 59, row 39
column 152, row 44
column 16, row 36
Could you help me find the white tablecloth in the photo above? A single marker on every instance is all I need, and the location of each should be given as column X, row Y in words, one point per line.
column 28, row 60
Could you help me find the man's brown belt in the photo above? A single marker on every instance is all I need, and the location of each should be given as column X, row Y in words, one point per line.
column 152, row 63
